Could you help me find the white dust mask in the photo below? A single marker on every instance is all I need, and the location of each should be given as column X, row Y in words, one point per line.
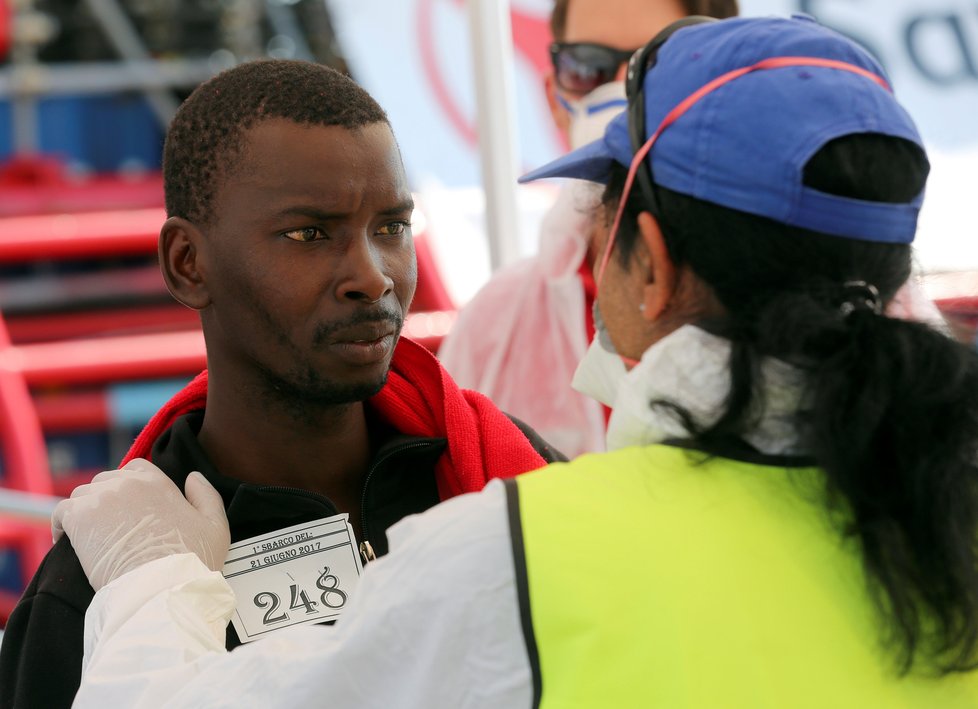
column 601, row 371
column 591, row 113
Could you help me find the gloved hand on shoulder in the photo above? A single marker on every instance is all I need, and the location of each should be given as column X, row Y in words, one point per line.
column 129, row 517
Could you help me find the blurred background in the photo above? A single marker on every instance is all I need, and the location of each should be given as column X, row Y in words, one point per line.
column 91, row 343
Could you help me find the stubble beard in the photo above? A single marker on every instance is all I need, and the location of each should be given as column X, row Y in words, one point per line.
column 304, row 393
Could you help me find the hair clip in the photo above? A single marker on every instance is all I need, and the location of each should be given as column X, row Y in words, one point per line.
column 860, row 295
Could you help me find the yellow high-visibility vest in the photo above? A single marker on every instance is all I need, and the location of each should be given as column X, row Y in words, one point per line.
column 649, row 578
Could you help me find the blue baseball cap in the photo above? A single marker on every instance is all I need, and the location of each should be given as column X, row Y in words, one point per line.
column 744, row 143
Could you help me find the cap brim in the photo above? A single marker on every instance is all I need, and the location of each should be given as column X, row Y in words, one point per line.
column 590, row 162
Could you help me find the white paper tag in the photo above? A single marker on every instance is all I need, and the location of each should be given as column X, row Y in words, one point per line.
column 302, row 574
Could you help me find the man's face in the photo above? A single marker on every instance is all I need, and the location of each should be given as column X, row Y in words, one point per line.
column 621, row 24
column 310, row 262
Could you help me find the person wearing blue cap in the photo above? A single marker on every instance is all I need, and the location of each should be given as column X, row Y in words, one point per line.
column 788, row 511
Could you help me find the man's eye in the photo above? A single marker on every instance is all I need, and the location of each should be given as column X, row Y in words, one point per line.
column 309, row 233
column 394, row 228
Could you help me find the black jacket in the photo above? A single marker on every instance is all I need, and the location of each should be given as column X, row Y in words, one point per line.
column 42, row 648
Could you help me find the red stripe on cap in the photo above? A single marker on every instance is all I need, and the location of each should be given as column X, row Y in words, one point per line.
column 687, row 103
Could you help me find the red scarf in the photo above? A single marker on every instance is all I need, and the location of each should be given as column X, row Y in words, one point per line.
column 419, row 399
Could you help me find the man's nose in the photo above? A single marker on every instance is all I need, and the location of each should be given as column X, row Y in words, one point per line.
column 365, row 275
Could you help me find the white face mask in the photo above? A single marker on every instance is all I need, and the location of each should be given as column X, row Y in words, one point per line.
column 601, row 372
column 591, row 113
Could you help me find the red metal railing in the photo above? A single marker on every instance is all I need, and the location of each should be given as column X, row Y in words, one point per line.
column 26, row 466
column 80, row 235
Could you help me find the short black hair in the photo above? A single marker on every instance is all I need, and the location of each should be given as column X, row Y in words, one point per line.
column 205, row 138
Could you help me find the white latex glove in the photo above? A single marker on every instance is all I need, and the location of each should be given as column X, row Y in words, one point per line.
column 129, row 517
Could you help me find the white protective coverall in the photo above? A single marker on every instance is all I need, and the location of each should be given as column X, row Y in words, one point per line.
column 519, row 340
column 436, row 623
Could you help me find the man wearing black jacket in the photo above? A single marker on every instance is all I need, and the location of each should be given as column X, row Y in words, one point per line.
column 289, row 231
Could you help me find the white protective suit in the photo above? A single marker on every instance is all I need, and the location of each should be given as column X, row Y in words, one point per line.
column 436, row 623
column 519, row 340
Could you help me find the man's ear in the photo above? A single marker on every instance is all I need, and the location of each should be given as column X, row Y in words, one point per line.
column 183, row 262
column 660, row 285
column 560, row 115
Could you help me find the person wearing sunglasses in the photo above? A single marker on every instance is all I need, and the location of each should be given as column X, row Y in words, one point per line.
column 593, row 40
column 788, row 513
column 541, row 307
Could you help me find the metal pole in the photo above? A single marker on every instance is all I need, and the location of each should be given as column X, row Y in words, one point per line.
column 24, row 120
column 29, row 33
column 127, row 42
column 492, row 54
column 27, row 506
column 284, row 22
column 70, row 78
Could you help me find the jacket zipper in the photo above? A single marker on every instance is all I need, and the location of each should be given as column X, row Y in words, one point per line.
column 296, row 490
column 366, row 549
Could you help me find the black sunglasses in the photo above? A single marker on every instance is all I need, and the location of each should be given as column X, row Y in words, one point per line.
column 581, row 67
column 638, row 66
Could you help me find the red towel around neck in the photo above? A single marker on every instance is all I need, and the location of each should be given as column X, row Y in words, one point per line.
column 419, row 399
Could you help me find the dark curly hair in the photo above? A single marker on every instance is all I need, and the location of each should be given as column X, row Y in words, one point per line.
column 720, row 9
column 205, row 139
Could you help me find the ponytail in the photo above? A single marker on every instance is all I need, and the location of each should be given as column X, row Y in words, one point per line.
column 892, row 419
column 890, row 407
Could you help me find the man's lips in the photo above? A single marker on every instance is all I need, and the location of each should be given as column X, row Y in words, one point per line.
column 365, row 343
column 366, row 333
column 365, row 352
